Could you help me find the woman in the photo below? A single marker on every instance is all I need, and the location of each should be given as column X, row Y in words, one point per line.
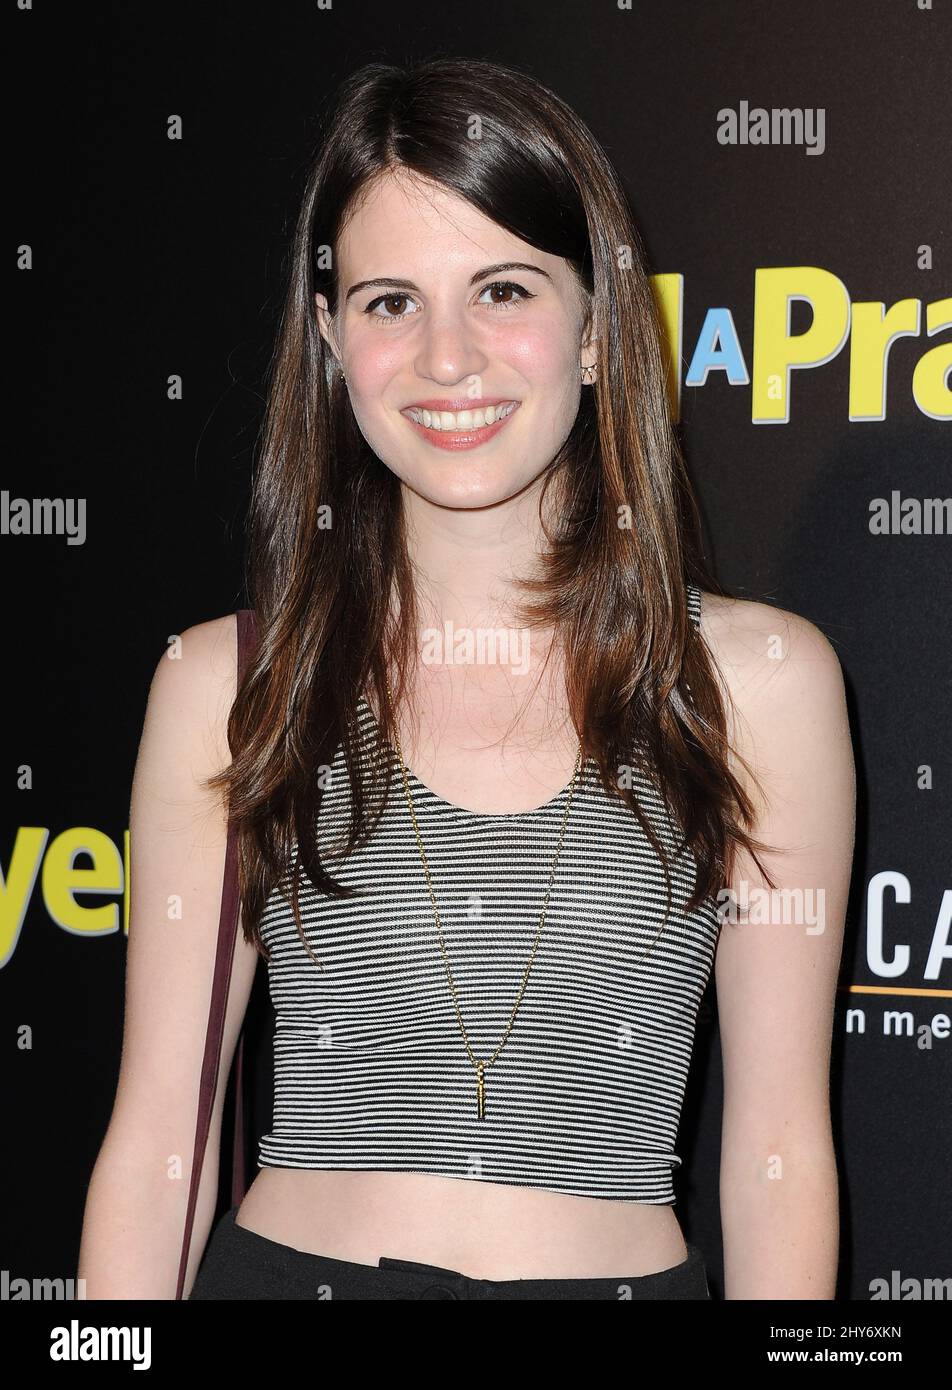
column 500, row 752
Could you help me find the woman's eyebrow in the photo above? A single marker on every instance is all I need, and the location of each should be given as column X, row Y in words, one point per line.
column 395, row 282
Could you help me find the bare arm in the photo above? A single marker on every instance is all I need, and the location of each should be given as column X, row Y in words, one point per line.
column 135, row 1210
column 776, row 971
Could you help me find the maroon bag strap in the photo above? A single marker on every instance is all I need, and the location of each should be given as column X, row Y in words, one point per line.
column 227, row 930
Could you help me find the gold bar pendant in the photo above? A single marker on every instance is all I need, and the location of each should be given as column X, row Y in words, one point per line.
column 480, row 1091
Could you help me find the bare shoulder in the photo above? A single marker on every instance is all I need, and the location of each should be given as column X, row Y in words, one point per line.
column 206, row 651
column 777, row 668
column 744, row 635
column 193, row 688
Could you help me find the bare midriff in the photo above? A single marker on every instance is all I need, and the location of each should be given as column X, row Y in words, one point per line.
column 481, row 1229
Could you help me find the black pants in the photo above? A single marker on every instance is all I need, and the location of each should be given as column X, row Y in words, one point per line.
column 239, row 1263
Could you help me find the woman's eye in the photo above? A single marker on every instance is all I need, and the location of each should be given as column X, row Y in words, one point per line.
column 396, row 300
column 507, row 285
column 389, row 300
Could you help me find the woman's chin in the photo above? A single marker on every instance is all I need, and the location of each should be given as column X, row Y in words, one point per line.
column 462, row 488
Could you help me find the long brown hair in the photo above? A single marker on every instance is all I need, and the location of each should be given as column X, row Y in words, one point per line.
column 641, row 684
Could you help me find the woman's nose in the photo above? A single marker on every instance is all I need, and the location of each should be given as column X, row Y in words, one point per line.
column 450, row 351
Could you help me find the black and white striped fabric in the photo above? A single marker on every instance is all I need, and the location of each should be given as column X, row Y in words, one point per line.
column 371, row 1071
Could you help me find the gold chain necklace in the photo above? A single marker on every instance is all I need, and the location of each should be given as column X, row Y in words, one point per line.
column 481, row 1065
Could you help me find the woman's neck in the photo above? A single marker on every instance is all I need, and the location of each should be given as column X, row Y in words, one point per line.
column 466, row 561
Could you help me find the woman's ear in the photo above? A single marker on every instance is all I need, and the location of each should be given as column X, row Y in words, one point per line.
column 325, row 323
column 588, row 351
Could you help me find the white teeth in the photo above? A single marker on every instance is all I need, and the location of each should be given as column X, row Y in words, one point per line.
column 461, row 419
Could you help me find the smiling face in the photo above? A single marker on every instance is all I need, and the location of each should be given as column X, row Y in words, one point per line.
column 464, row 368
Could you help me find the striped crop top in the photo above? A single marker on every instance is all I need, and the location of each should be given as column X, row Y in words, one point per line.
column 370, row 1067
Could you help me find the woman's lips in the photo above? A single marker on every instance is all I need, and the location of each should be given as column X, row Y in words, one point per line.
column 460, row 439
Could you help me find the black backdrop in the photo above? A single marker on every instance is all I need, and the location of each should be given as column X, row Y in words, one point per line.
column 153, row 257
